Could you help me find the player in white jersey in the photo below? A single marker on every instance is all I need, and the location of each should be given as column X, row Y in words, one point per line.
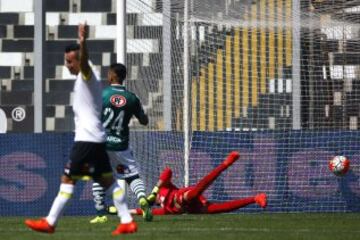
column 88, row 157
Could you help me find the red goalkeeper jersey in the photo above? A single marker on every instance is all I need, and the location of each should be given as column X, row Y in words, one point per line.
column 171, row 198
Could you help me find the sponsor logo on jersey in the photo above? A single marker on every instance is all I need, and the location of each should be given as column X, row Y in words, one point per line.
column 117, row 100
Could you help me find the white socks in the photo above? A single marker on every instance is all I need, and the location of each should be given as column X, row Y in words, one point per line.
column 57, row 208
column 119, row 201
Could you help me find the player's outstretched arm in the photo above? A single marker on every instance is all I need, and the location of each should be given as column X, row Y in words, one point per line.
column 84, row 55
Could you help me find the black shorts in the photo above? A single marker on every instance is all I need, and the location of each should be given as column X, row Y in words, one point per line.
column 88, row 159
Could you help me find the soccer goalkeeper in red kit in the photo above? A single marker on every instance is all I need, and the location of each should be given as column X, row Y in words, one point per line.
column 174, row 200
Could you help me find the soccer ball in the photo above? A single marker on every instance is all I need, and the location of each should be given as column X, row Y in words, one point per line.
column 339, row 165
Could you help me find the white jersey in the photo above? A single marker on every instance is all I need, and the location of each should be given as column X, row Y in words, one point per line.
column 87, row 106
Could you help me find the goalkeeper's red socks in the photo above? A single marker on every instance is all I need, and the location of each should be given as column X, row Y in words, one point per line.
column 124, row 228
column 40, row 225
column 231, row 158
column 229, row 206
column 261, row 200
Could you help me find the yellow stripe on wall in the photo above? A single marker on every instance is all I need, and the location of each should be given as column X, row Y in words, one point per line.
column 179, row 120
column 254, row 54
column 211, row 94
column 202, row 98
column 194, row 104
column 237, row 69
column 271, row 46
column 263, row 63
column 229, row 85
column 280, row 37
column 220, row 89
column 288, row 37
column 245, row 69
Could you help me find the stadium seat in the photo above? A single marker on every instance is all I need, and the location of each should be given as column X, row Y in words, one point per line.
column 352, row 46
column 347, row 58
column 111, row 19
column 5, row 72
column 21, row 31
column 60, row 85
column 58, row 47
column 147, row 32
column 57, row 6
column 95, row 6
column 96, row 58
column 101, row 46
column 28, row 72
column 57, row 98
column 22, row 85
column 7, row 18
column 10, row 45
column 64, row 124
column 66, row 31
column 17, row 98
column 3, row 31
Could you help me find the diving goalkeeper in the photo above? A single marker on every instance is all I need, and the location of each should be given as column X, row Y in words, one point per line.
column 174, row 200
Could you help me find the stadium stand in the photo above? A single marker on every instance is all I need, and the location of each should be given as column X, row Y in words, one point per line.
column 267, row 51
column 62, row 18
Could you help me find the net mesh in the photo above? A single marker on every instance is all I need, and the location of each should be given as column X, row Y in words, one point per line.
column 276, row 80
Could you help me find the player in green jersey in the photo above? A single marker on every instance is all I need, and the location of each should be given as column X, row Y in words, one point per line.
column 119, row 106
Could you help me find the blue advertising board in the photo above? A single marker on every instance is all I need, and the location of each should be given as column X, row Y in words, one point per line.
column 291, row 167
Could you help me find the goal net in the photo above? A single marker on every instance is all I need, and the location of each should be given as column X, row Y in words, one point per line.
column 276, row 80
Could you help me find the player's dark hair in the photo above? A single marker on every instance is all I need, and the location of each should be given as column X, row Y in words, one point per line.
column 72, row 47
column 120, row 71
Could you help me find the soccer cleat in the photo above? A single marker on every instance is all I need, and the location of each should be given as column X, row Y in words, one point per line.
column 231, row 158
column 40, row 225
column 145, row 207
column 151, row 199
column 111, row 210
column 124, row 228
column 99, row 219
column 261, row 200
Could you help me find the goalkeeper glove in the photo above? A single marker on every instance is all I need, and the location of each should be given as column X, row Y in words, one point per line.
column 152, row 197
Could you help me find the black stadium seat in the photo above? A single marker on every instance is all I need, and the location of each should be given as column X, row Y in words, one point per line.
column 5, row 72
column 57, row 98
column 10, row 45
column 3, row 31
column 147, row 32
column 101, row 45
column 23, row 85
column 9, row 18
column 17, row 97
column 57, row 5
column 66, row 31
column 58, row 46
column 111, row 19
column 22, row 31
column 64, row 124
column 61, row 85
column 28, row 72
column 96, row 6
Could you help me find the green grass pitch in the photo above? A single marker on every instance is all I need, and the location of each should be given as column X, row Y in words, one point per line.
column 201, row 227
